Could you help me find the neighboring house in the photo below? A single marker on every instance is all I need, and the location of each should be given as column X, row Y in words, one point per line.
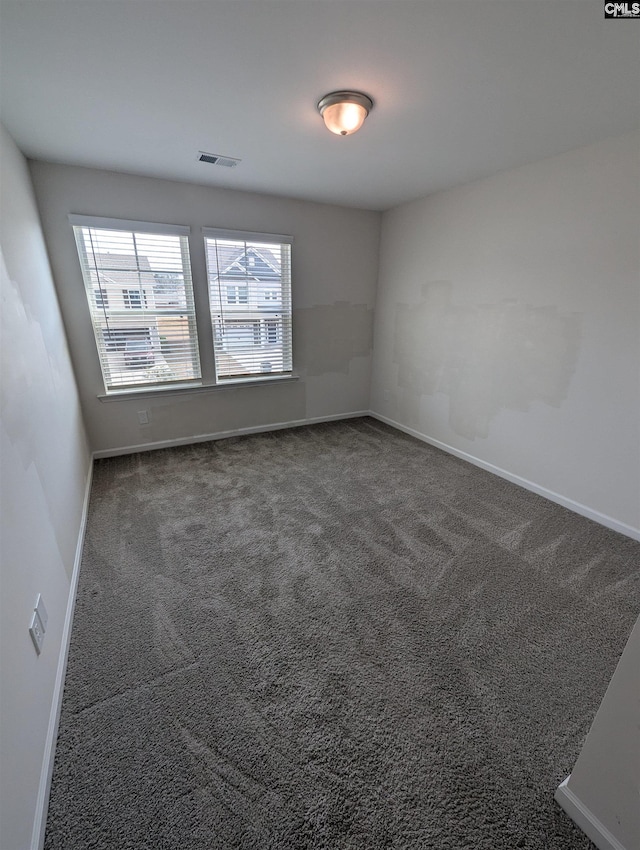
column 141, row 302
column 120, row 291
column 246, row 294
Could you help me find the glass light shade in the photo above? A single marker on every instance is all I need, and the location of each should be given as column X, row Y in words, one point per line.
column 344, row 112
column 344, row 118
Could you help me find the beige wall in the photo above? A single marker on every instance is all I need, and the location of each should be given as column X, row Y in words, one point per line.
column 335, row 256
column 45, row 465
column 508, row 326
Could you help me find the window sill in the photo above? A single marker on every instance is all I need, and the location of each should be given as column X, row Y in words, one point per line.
column 185, row 389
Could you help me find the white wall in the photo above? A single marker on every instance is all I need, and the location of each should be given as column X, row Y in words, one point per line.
column 45, row 468
column 602, row 793
column 335, row 256
column 508, row 325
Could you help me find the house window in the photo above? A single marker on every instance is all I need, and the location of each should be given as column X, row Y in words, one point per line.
column 133, row 298
column 145, row 338
column 249, row 278
column 237, row 294
column 102, row 298
column 272, row 332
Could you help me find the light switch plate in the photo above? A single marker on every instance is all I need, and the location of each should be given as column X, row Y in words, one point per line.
column 37, row 632
column 41, row 611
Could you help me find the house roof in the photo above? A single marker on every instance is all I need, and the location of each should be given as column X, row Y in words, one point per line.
column 234, row 261
column 119, row 262
column 120, row 270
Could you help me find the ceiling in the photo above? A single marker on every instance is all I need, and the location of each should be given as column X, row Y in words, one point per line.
column 462, row 88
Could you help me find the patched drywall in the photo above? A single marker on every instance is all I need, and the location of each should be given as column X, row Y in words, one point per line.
column 25, row 344
column 507, row 325
column 216, row 411
column 484, row 357
column 334, row 266
column 45, row 464
column 327, row 337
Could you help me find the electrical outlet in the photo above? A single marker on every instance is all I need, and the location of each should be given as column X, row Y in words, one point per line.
column 143, row 417
column 37, row 632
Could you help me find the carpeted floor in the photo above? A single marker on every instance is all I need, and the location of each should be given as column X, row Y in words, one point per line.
column 332, row 637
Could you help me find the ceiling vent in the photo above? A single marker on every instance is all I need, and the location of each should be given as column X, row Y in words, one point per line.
column 216, row 159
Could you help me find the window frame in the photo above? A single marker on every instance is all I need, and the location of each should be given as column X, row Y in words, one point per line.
column 99, row 315
column 282, row 317
column 206, row 378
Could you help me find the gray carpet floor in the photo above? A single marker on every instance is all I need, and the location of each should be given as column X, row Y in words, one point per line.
column 331, row 637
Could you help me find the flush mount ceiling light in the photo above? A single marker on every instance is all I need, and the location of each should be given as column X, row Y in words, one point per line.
column 344, row 111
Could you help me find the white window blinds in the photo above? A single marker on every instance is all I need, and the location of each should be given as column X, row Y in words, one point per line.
column 250, row 296
column 138, row 284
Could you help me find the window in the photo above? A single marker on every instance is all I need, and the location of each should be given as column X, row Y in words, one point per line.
column 144, row 318
column 102, row 299
column 133, row 298
column 250, row 298
column 272, row 332
column 237, row 294
column 139, row 290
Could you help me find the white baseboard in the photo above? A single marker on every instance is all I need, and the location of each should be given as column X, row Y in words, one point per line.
column 222, row 435
column 585, row 819
column 42, row 805
column 576, row 507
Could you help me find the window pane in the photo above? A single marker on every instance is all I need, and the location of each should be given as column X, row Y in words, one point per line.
column 141, row 303
column 250, row 297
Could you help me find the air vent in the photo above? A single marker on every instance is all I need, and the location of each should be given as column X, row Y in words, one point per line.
column 216, row 159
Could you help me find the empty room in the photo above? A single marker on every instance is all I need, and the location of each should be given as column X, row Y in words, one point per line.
column 320, row 425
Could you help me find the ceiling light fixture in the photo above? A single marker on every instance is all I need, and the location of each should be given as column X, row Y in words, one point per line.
column 344, row 111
